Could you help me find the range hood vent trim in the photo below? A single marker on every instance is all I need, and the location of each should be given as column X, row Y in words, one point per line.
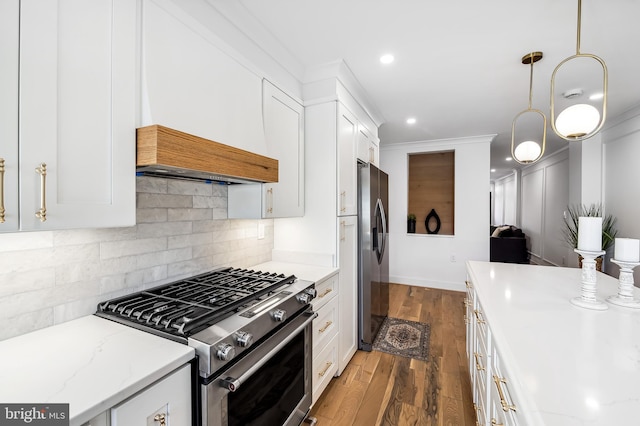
column 169, row 153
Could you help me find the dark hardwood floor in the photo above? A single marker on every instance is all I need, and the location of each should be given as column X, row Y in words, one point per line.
column 381, row 389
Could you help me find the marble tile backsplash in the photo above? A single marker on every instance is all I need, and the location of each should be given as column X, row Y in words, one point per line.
column 181, row 229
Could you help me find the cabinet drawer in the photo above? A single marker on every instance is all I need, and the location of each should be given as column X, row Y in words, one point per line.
column 326, row 290
column 503, row 406
column 325, row 365
column 169, row 398
column 325, row 326
column 480, row 321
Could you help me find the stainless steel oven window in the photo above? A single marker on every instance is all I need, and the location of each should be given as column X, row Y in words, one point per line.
column 273, row 392
column 277, row 392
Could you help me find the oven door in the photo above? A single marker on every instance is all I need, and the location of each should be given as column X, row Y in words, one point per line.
column 271, row 385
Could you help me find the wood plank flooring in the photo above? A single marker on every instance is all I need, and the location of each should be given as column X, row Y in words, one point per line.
column 381, row 389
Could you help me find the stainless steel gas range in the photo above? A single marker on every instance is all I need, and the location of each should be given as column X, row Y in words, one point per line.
column 251, row 331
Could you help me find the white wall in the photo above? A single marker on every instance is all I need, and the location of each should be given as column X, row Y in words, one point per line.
column 621, row 143
column 182, row 229
column 438, row 261
column 505, row 192
column 545, row 196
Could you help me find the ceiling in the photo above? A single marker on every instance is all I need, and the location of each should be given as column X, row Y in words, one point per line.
column 457, row 66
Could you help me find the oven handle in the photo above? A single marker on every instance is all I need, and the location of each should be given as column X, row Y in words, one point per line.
column 233, row 384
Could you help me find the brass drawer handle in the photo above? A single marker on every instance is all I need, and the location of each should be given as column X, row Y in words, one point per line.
column 160, row 418
column 327, row 291
column 468, row 284
column 343, row 196
column 327, row 366
column 342, row 233
column 42, row 212
column 326, row 325
column 1, row 190
column 499, row 381
column 494, row 422
column 270, row 200
column 479, row 366
column 478, row 315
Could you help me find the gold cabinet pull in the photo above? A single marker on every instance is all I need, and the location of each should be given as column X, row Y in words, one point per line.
column 327, row 366
column 326, row 325
column 42, row 212
column 270, row 200
column 499, row 381
column 342, row 233
column 478, row 315
column 161, row 418
column 468, row 284
column 324, row 293
column 479, row 366
column 343, row 196
column 494, row 422
column 1, row 190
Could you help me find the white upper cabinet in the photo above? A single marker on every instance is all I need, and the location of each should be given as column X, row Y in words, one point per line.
column 77, row 97
column 284, row 135
column 347, row 169
column 9, row 66
column 190, row 84
column 367, row 146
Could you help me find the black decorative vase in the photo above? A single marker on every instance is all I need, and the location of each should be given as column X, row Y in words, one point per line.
column 411, row 226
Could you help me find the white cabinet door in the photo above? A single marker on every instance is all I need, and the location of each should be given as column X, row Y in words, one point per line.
column 347, row 168
column 367, row 146
column 284, row 133
column 77, row 113
column 9, row 56
column 348, row 293
column 170, row 398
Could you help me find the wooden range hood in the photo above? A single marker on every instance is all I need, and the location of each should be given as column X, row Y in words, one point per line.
column 164, row 152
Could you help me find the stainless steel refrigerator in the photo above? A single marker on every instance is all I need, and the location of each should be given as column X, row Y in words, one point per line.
column 373, row 257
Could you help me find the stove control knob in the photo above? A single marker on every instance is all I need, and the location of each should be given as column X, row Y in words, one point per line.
column 279, row 315
column 244, row 339
column 311, row 292
column 303, row 298
column 225, row 352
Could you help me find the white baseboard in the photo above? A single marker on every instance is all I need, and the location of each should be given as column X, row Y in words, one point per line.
column 418, row 282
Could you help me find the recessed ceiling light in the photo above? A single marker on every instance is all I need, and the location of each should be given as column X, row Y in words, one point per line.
column 508, row 159
column 411, row 120
column 386, row 59
column 493, row 170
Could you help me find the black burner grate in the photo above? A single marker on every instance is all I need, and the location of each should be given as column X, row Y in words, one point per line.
column 183, row 307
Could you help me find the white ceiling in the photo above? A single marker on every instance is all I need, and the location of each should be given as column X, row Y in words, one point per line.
column 458, row 63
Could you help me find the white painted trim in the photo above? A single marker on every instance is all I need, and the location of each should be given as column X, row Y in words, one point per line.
column 433, row 145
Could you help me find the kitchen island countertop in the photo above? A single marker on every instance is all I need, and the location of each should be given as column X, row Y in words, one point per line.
column 568, row 365
column 90, row 363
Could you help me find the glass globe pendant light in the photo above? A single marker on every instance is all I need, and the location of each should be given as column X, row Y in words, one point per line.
column 574, row 117
column 523, row 149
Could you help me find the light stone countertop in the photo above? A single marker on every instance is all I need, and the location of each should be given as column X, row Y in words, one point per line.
column 91, row 363
column 567, row 365
column 302, row 271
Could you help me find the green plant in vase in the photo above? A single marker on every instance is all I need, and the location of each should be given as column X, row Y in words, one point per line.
column 570, row 230
column 411, row 223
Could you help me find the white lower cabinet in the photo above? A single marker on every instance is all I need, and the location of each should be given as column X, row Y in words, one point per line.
column 101, row 419
column 325, row 335
column 348, row 262
column 167, row 402
column 492, row 399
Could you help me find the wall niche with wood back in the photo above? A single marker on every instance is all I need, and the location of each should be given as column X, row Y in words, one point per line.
column 431, row 187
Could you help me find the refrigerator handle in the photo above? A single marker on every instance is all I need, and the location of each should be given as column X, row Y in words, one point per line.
column 383, row 218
